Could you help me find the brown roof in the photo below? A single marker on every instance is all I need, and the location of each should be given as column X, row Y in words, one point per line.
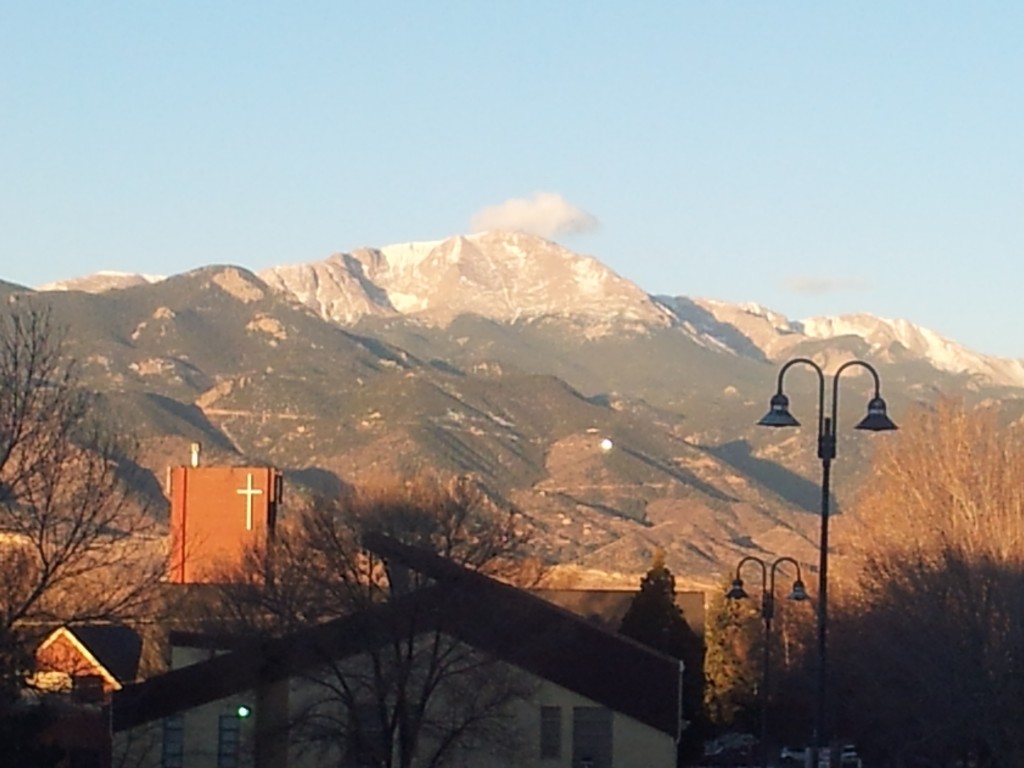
column 606, row 607
column 512, row 625
column 117, row 648
column 552, row 642
column 254, row 661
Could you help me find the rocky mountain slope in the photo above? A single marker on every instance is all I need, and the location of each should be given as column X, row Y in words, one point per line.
column 749, row 328
column 507, row 277
column 516, row 278
column 511, row 359
column 100, row 282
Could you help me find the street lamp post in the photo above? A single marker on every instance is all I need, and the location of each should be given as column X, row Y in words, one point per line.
column 876, row 420
column 737, row 592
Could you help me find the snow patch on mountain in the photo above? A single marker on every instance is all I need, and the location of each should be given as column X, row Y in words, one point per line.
column 513, row 277
column 504, row 276
column 405, row 257
column 337, row 289
column 944, row 354
column 101, row 282
column 755, row 331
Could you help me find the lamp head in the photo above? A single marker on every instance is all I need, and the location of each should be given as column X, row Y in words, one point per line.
column 736, row 591
column 877, row 419
column 779, row 415
column 799, row 592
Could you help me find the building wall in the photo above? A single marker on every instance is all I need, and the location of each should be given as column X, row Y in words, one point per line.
column 138, row 748
column 633, row 744
column 216, row 514
column 61, row 661
column 199, row 728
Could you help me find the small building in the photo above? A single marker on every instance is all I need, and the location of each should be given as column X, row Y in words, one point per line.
column 77, row 670
column 100, row 657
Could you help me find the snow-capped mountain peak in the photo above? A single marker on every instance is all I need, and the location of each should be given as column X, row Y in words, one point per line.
column 512, row 277
column 405, row 257
column 101, row 282
column 505, row 276
column 944, row 354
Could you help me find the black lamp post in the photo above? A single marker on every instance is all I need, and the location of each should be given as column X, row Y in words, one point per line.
column 737, row 592
column 876, row 420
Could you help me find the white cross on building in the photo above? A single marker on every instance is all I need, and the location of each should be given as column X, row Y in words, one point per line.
column 248, row 492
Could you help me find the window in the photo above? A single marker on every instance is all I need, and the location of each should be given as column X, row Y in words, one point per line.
column 550, row 733
column 365, row 743
column 591, row 737
column 228, row 737
column 172, row 751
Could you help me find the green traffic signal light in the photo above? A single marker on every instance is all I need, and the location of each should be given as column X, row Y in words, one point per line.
column 243, row 711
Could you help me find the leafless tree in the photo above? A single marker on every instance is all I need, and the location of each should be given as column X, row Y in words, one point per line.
column 75, row 544
column 929, row 640
column 420, row 694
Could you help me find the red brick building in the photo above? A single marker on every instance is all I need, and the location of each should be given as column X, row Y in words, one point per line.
column 94, row 659
column 216, row 514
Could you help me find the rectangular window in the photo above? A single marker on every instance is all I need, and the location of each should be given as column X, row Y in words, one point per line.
column 228, row 737
column 550, row 733
column 365, row 742
column 591, row 737
column 172, row 750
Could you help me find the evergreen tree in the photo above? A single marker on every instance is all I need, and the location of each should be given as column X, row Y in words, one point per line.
column 654, row 619
column 732, row 638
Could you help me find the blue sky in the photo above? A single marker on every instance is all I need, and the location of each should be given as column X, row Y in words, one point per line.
column 816, row 158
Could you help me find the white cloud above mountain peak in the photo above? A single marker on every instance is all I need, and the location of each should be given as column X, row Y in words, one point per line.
column 546, row 214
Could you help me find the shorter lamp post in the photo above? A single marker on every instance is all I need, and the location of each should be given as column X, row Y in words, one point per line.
column 737, row 592
column 876, row 420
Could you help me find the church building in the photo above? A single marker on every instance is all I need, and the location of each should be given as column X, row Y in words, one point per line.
column 217, row 513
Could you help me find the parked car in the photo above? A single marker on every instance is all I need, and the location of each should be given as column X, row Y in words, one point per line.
column 731, row 749
column 797, row 756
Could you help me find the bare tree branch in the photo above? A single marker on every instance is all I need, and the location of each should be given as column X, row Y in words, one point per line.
column 415, row 697
column 76, row 543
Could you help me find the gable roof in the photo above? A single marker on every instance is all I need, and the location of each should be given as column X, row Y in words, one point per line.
column 510, row 624
column 116, row 647
column 550, row 641
column 113, row 648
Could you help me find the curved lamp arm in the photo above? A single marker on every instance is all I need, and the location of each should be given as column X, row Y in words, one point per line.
column 799, row 590
column 821, row 385
column 736, row 591
column 753, row 559
column 835, row 382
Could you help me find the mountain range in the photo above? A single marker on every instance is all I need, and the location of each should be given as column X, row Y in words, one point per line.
column 616, row 421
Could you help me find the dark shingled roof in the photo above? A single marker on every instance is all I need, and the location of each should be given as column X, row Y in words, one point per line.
column 552, row 642
column 512, row 625
column 117, row 648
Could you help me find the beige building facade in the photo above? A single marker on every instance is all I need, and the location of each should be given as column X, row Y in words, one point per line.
column 553, row 728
